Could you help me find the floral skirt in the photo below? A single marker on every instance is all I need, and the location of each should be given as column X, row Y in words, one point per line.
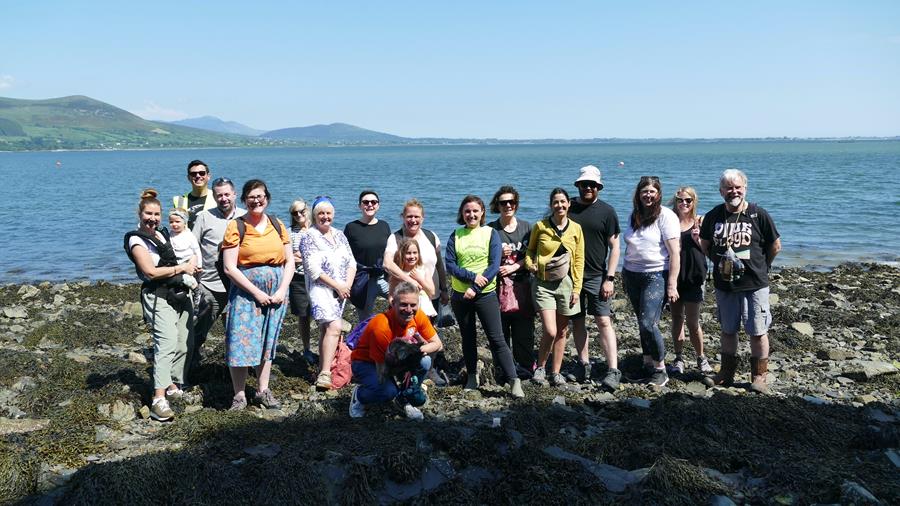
column 251, row 331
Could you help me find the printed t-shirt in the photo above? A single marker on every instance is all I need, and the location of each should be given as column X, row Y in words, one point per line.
column 383, row 328
column 257, row 249
column 749, row 233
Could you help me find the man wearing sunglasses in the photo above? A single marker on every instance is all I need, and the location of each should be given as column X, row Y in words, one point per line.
column 209, row 229
column 199, row 198
column 600, row 224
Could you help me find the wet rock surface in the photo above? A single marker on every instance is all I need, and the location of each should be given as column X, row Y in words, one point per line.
column 75, row 429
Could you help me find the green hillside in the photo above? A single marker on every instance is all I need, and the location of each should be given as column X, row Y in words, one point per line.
column 80, row 122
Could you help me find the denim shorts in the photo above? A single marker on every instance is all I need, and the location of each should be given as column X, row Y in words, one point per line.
column 750, row 308
column 555, row 296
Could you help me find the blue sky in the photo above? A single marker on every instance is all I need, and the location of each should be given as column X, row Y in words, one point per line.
column 474, row 69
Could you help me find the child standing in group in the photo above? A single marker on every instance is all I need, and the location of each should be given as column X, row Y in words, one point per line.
column 408, row 259
column 185, row 245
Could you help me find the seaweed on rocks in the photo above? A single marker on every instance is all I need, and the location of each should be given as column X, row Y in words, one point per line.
column 402, row 466
column 357, row 488
column 18, row 473
column 676, row 482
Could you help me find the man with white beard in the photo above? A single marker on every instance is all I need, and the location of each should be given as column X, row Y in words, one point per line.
column 741, row 240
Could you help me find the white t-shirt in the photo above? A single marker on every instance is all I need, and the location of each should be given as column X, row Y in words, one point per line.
column 154, row 254
column 426, row 252
column 186, row 246
column 645, row 249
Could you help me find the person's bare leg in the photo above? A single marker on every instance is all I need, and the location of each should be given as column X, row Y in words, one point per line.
column 548, row 321
column 559, row 343
column 608, row 341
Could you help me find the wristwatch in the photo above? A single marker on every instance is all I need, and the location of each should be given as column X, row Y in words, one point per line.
column 611, row 279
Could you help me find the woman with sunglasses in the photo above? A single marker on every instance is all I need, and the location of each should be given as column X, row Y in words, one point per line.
column 299, row 298
column 517, row 322
column 330, row 269
column 368, row 237
column 261, row 266
column 650, row 272
column 473, row 260
column 691, row 280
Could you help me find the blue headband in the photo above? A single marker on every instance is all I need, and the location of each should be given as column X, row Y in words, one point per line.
column 320, row 200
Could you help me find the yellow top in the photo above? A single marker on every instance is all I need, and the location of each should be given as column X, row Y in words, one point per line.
column 545, row 242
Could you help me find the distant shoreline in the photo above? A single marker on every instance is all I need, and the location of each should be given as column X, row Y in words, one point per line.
column 428, row 142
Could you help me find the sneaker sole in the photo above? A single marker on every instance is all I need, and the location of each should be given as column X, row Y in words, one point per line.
column 160, row 418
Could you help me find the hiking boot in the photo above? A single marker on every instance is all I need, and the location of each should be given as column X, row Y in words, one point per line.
column 357, row 410
column 160, row 410
column 472, row 382
column 310, row 357
column 238, row 403
column 677, row 366
column 611, row 380
column 267, row 400
column 725, row 376
column 413, row 413
column 323, row 381
column 516, row 389
column 703, row 364
column 556, row 379
column 659, row 378
column 759, row 367
column 540, row 376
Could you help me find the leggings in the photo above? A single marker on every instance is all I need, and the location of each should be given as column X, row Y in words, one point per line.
column 487, row 307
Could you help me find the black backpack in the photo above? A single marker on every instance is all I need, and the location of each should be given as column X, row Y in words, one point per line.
column 163, row 249
column 242, row 229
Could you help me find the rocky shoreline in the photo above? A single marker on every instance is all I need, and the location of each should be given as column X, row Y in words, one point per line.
column 74, row 389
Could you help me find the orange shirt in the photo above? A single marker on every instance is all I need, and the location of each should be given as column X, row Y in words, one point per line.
column 383, row 328
column 266, row 248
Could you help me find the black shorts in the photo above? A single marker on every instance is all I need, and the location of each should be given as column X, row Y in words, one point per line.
column 298, row 296
column 592, row 302
column 689, row 292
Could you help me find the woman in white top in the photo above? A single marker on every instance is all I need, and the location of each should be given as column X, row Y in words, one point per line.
column 650, row 274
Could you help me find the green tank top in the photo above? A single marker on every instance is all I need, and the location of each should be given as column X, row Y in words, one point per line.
column 473, row 246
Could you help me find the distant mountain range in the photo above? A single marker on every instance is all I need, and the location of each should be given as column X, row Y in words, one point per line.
column 80, row 122
column 215, row 124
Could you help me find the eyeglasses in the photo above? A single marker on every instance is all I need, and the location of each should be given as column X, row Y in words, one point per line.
column 687, row 200
column 373, row 202
column 195, row 175
column 219, row 181
column 257, row 198
column 299, row 212
column 510, row 202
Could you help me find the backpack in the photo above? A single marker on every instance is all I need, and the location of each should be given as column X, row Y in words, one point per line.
column 242, row 229
column 163, row 249
column 341, row 371
column 357, row 331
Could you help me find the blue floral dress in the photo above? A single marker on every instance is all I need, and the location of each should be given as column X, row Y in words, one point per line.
column 321, row 256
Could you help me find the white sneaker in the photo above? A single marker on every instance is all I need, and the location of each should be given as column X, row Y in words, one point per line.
column 357, row 410
column 413, row 413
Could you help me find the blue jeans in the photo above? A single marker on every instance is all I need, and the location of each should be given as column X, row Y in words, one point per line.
column 647, row 292
column 372, row 392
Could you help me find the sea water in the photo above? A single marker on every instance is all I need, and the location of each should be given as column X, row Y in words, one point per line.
column 63, row 214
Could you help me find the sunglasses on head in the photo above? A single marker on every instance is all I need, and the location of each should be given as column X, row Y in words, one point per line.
column 219, row 181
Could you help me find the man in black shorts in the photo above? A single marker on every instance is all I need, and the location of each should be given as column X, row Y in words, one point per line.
column 600, row 224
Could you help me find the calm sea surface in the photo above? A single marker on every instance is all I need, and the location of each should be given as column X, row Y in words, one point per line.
column 832, row 201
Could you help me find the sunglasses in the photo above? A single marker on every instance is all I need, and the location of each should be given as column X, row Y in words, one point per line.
column 219, row 181
column 194, row 175
column 373, row 202
column 510, row 202
column 687, row 200
column 299, row 212
column 588, row 184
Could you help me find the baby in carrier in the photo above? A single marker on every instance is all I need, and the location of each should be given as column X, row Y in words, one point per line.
column 185, row 246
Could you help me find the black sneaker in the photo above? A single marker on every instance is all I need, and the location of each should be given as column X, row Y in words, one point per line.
column 611, row 380
column 581, row 374
column 643, row 375
column 659, row 378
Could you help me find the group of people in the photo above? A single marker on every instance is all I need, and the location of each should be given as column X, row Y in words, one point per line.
column 252, row 267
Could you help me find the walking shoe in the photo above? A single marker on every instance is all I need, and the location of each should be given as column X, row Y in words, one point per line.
column 677, row 366
column 267, row 399
column 160, row 410
column 611, row 380
column 174, row 393
column 310, row 357
column 413, row 413
column 642, row 376
column 703, row 364
column 323, row 382
column 357, row 410
column 540, row 376
column 581, row 374
column 659, row 378
column 238, row 403
column 436, row 378
column 556, row 379
column 515, row 389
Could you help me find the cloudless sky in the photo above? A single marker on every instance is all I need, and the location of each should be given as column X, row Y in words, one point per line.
column 500, row 69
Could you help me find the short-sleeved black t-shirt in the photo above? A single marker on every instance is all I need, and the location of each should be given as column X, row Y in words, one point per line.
column 749, row 233
column 517, row 240
column 599, row 222
column 367, row 242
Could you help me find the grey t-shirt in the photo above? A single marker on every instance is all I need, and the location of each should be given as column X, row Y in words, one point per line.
column 209, row 229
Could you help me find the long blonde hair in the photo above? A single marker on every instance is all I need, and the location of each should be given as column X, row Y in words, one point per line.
column 402, row 248
column 691, row 193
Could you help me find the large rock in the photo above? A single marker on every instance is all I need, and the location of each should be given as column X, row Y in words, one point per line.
column 802, row 327
column 614, row 479
column 133, row 309
column 854, row 493
column 17, row 312
column 21, row 426
column 118, row 411
column 863, row 370
column 28, row 292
